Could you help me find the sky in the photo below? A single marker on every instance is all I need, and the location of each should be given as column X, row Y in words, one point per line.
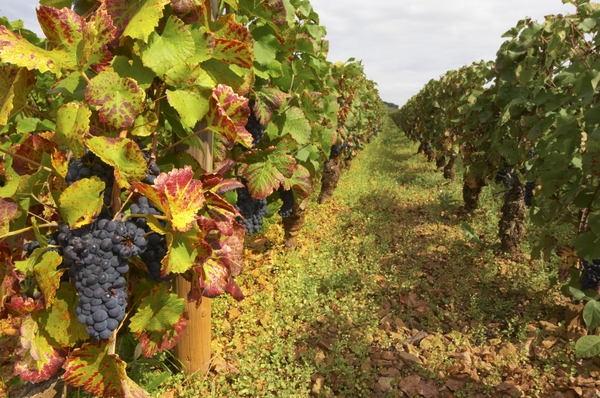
column 402, row 43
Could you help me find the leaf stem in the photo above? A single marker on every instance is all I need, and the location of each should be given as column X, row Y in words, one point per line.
column 20, row 231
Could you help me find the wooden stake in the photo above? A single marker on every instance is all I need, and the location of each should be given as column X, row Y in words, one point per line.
column 193, row 349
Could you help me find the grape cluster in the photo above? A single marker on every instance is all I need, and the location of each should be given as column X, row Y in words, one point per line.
column 90, row 165
column 529, row 187
column 97, row 256
column 287, row 208
column 29, row 247
column 504, row 177
column 254, row 127
column 337, row 149
column 157, row 244
column 152, row 171
column 253, row 210
column 590, row 276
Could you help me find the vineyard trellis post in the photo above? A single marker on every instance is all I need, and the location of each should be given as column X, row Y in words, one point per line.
column 193, row 349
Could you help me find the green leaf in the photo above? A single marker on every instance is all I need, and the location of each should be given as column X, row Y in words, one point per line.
column 158, row 311
column 123, row 154
column 296, row 124
column 591, row 314
column 60, row 320
column 577, row 294
column 187, row 75
column 80, row 202
column 160, row 320
column 191, row 105
column 15, row 84
column 72, row 123
column 145, row 125
column 586, row 245
column 133, row 69
column 100, row 373
column 266, row 44
column 173, row 47
column 587, row 346
column 64, row 26
column 141, row 17
column 181, row 255
column 120, row 99
column 205, row 45
column 47, row 275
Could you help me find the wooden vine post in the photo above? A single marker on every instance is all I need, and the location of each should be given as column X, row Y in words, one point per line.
column 193, row 349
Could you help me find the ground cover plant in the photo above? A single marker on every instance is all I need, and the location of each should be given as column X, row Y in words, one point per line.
column 394, row 291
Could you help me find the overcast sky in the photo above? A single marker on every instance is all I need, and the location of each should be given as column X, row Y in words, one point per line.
column 402, row 43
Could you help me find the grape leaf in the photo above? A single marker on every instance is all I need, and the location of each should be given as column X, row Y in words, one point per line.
column 185, row 196
column 228, row 116
column 300, row 181
column 123, row 154
column 16, row 50
column 191, row 105
column 120, row 100
column 159, row 320
column 80, row 202
column 205, row 45
column 181, row 254
column 182, row 7
column 60, row 320
column 15, row 84
column 185, row 75
column 233, row 52
column 38, row 359
column 72, row 123
column 135, row 19
column 134, row 69
column 236, row 243
column 47, row 276
column 157, row 311
column 33, row 147
column 97, row 34
column 296, row 124
column 145, row 125
column 9, row 211
column 266, row 44
column 100, row 373
column 215, row 277
column 20, row 305
column 265, row 170
column 153, row 342
column 268, row 100
column 173, row 47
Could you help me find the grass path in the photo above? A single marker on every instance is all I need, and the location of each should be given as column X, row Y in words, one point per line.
column 385, row 297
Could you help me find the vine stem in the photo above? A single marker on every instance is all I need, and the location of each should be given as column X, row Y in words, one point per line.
column 204, row 130
column 23, row 158
column 587, row 211
column 128, row 216
column 20, row 231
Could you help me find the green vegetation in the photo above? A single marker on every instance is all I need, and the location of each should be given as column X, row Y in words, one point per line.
column 383, row 262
